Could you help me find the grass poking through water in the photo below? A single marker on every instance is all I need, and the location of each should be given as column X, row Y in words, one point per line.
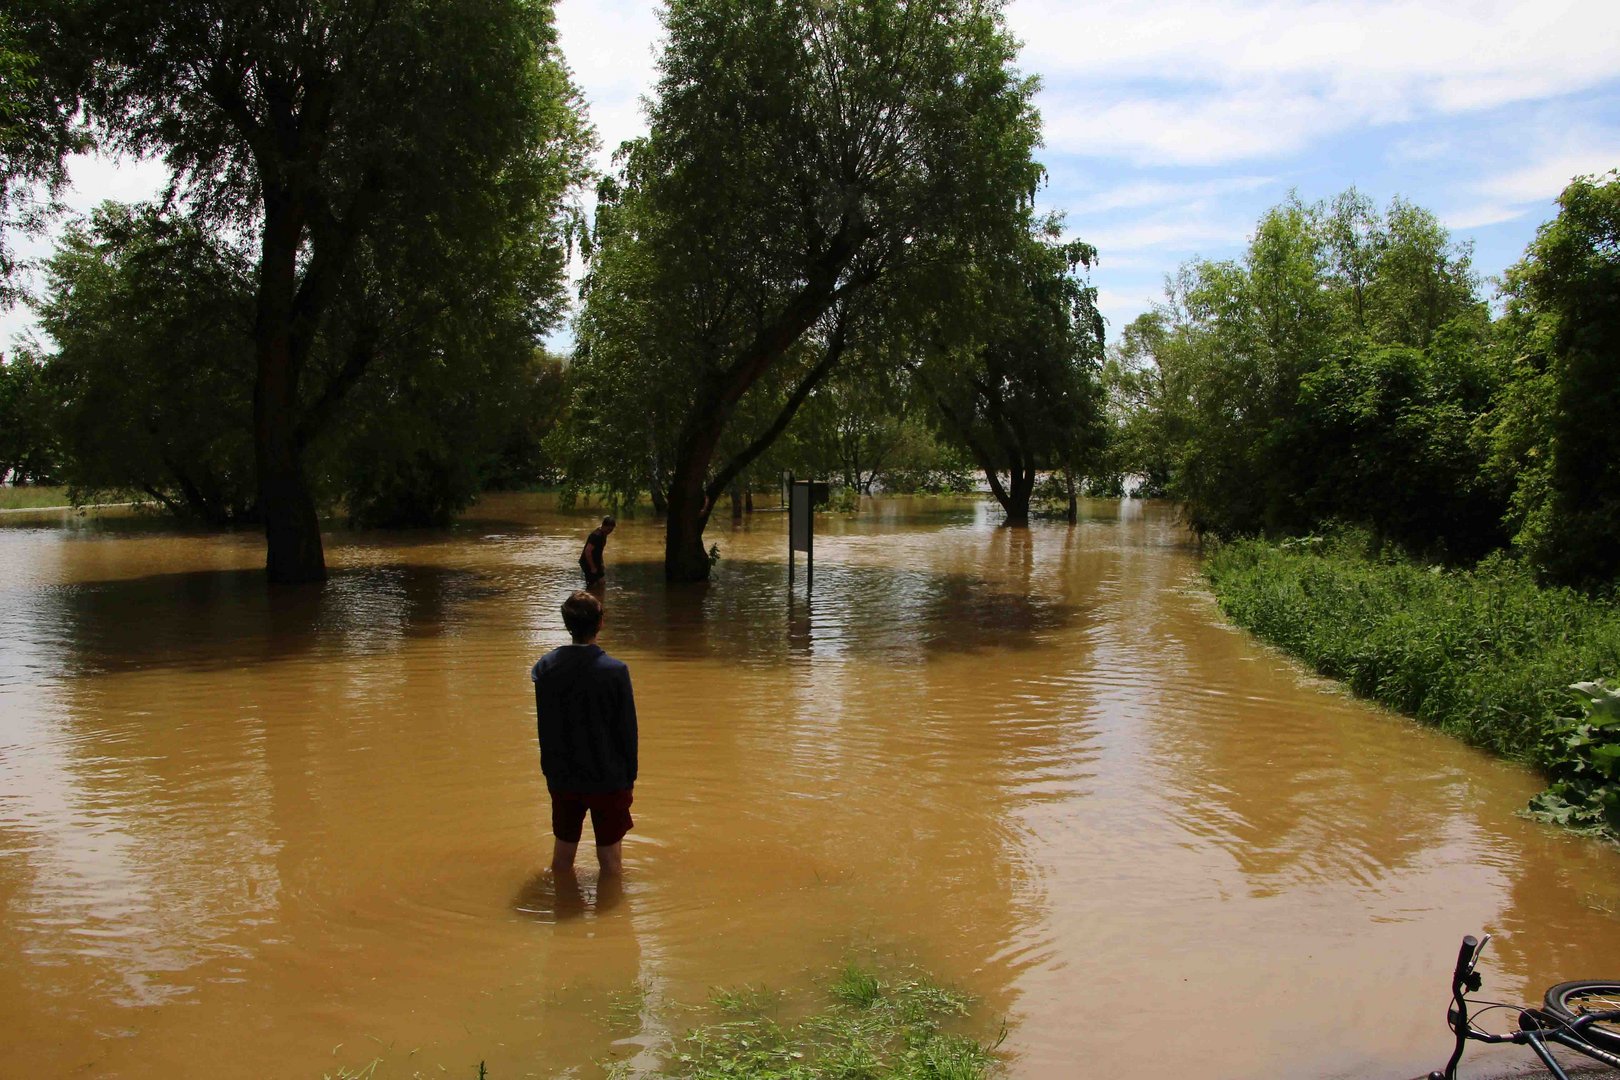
column 872, row 1029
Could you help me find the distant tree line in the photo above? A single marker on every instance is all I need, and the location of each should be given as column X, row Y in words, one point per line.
column 1347, row 370
column 823, row 256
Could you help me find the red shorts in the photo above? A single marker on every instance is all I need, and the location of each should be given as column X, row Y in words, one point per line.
column 610, row 815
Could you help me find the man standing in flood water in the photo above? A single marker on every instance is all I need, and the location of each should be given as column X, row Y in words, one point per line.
column 590, row 556
column 587, row 724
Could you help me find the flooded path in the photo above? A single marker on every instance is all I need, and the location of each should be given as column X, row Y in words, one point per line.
column 257, row 834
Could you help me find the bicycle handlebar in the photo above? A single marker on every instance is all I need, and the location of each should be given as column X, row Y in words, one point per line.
column 1465, row 958
column 1463, row 977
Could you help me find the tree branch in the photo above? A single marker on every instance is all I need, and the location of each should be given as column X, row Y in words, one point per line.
column 829, row 359
column 360, row 355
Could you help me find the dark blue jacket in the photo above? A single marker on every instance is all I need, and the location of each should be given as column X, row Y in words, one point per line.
column 586, row 717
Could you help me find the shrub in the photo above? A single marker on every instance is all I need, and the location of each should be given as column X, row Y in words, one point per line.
column 1480, row 654
column 1582, row 759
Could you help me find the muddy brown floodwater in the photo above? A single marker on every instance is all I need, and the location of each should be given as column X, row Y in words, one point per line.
column 246, row 833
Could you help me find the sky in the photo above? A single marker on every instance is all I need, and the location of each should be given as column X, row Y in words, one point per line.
column 1171, row 127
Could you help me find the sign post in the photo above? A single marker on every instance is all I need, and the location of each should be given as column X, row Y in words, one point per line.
column 801, row 528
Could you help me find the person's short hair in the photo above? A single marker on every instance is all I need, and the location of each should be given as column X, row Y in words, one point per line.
column 608, row 522
column 582, row 614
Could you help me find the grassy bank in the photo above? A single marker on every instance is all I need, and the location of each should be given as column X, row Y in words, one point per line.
column 28, row 496
column 1486, row 654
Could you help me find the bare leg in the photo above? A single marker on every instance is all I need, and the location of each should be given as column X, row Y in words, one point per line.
column 562, row 856
column 611, row 858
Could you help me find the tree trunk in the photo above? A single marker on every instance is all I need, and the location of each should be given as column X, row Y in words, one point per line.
column 684, row 556
column 689, row 503
column 1020, row 486
column 736, row 502
column 292, row 529
column 1074, row 502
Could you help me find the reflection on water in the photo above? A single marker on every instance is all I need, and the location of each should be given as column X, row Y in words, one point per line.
column 551, row 897
column 307, row 827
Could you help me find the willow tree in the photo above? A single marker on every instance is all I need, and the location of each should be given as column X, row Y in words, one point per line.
column 809, row 165
column 36, row 136
column 317, row 127
column 1021, row 389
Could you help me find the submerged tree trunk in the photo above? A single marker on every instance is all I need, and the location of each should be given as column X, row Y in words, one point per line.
column 1074, row 502
column 1015, row 494
column 736, row 503
column 1020, row 487
column 684, row 556
column 690, row 502
column 292, row 529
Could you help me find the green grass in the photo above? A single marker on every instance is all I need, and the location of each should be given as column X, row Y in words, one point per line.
column 1485, row 654
column 29, row 495
column 870, row 1029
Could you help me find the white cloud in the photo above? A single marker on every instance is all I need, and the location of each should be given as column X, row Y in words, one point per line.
column 611, row 47
column 1161, row 193
column 1198, row 83
column 1119, row 306
column 1438, row 45
column 1548, row 177
column 1545, row 165
column 1172, row 233
column 97, row 178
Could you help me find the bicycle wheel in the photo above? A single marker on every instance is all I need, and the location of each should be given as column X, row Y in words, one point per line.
column 1572, row 999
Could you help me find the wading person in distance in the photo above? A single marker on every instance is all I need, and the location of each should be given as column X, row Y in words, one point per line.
column 590, row 556
column 587, row 722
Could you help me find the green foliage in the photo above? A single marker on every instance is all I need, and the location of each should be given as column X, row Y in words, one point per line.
column 1020, row 388
column 1392, row 437
column 812, row 174
column 1553, row 436
column 858, row 987
column 881, row 1030
column 29, row 450
column 1141, row 421
column 150, row 384
column 851, row 426
column 925, row 464
column 152, row 375
column 841, row 500
column 1582, row 758
column 400, row 169
column 425, row 433
column 15, row 81
column 1339, row 371
column 869, row 426
column 1479, row 654
column 36, row 136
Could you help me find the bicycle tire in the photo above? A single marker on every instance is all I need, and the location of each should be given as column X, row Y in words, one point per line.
column 1569, row 1000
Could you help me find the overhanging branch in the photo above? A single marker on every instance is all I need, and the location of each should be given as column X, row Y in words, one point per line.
column 829, row 360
